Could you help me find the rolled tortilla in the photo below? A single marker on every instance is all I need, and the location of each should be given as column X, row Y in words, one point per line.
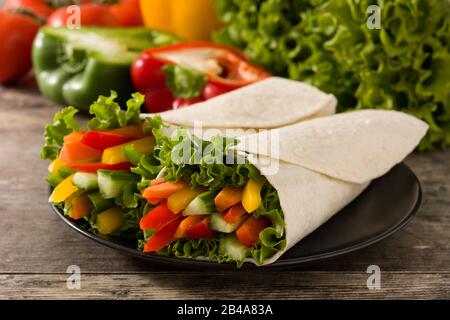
column 270, row 103
column 355, row 147
column 324, row 164
column 308, row 199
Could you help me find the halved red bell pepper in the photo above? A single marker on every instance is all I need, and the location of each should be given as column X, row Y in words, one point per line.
column 158, row 218
column 194, row 227
column 248, row 232
column 226, row 69
column 102, row 140
column 94, row 166
column 163, row 237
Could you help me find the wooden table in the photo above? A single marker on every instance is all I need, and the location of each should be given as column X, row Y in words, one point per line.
column 36, row 247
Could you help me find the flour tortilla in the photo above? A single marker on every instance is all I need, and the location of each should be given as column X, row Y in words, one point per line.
column 354, row 147
column 270, row 103
column 325, row 163
column 308, row 200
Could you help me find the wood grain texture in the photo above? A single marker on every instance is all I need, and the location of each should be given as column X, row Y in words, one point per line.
column 255, row 285
column 36, row 248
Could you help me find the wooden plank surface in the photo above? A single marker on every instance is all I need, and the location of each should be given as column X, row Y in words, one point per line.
column 36, row 248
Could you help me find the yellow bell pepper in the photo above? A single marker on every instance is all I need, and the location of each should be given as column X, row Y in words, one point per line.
column 114, row 154
column 188, row 19
column 180, row 200
column 251, row 196
column 55, row 165
column 109, row 220
column 63, row 190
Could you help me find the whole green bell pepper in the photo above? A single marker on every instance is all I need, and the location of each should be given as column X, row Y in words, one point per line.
column 75, row 66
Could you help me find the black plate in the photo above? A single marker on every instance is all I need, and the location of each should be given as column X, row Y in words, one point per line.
column 382, row 209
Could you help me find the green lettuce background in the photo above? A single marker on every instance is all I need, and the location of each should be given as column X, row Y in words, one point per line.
column 404, row 65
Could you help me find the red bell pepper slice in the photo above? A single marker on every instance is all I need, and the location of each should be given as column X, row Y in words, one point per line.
column 158, row 218
column 94, row 166
column 154, row 182
column 75, row 136
column 163, row 190
column 163, row 237
column 235, row 213
column 248, row 232
column 75, row 151
column 195, row 227
column 102, row 140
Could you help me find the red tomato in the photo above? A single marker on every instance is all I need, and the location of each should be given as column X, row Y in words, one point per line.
column 158, row 100
column 194, row 227
column 212, row 90
column 248, row 232
column 179, row 103
column 16, row 37
column 127, row 13
column 102, row 140
column 158, row 218
column 163, row 237
column 94, row 166
column 39, row 7
column 91, row 14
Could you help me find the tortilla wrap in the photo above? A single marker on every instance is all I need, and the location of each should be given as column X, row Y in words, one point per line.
column 270, row 103
column 325, row 163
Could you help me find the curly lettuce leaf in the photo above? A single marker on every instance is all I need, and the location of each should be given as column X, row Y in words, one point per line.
column 204, row 163
column 184, row 83
column 54, row 178
column 108, row 114
column 195, row 160
column 402, row 66
column 62, row 125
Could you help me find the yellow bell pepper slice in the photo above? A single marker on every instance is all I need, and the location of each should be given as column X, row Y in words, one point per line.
column 55, row 165
column 251, row 196
column 114, row 154
column 180, row 199
column 63, row 190
column 109, row 220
